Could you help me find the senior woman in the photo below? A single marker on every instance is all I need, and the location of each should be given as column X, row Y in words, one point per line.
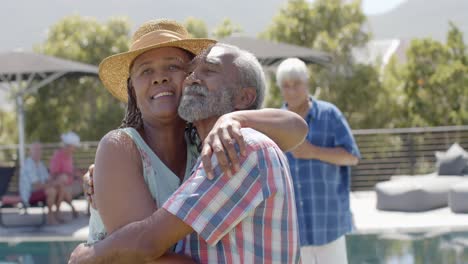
column 62, row 169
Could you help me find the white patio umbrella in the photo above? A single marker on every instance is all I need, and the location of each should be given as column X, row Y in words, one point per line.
column 22, row 73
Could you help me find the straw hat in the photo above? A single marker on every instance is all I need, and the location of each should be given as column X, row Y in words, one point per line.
column 115, row 70
column 70, row 138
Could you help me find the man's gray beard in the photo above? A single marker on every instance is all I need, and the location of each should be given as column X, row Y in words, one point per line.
column 207, row 104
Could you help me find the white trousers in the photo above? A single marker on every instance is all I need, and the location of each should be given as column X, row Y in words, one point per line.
column 331, row 253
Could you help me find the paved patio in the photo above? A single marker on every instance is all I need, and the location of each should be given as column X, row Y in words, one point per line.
column 367, row 219
column 72, row 229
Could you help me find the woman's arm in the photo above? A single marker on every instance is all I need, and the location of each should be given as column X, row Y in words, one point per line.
column 286, row 128
column 120, row 192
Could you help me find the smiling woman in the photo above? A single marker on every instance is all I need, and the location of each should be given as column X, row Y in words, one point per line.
column 151, row 143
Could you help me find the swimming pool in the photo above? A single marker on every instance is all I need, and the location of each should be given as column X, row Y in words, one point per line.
column 56, row 252
column 450, row 248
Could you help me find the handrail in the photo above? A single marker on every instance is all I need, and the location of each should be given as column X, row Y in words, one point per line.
column 385, row 152
column 408, row 130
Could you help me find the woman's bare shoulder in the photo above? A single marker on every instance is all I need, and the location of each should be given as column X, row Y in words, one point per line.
column 119, row 145
column 118, row 139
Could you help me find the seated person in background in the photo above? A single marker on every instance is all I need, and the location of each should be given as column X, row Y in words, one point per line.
column 62, row 169
column 35, row 185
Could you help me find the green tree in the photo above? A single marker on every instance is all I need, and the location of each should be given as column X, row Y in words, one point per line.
column 338, row 29
column 196, row 27
column 79, row 104
column 273, row 96
column 433, row 82
column 8, row 128
column 393, row 88
column 226, row 29
column 8, row 135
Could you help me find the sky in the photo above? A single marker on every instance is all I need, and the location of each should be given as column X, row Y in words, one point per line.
column 373, row 7
column 32, row 23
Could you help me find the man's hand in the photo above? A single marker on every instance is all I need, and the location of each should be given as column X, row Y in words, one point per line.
column 81, row 254
column 88, row 186
column 221, row 141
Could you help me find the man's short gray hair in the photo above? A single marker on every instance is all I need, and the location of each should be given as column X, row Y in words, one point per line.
column 291, row 69
column 250, row 72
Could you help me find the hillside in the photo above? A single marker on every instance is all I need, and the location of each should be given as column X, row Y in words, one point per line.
column 421, row 18
column 25, row 22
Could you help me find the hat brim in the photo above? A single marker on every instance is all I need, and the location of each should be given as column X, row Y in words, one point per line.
column 114, row 70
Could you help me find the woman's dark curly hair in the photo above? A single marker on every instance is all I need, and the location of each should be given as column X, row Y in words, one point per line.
column 132, row 113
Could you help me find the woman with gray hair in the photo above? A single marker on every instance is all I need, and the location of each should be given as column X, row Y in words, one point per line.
column 62, row 168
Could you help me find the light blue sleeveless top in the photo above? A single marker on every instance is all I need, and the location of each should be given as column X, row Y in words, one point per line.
column 161, row 181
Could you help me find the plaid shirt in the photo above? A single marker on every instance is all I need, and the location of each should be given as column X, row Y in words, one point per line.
column 247, row 218
column 321, row 188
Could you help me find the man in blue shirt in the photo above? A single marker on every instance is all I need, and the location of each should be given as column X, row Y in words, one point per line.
column 320, row 168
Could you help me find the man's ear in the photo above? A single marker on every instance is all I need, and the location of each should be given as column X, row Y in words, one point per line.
column 245, row 98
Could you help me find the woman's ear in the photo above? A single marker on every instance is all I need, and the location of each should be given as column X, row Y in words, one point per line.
column 245, row 98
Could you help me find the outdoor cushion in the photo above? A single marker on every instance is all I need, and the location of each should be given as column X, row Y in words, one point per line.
column 452, row 162
column 11, row 200
column 414, row 195
column 465, row 170
column 458, row 197
column 450, row 165
column 420, row 177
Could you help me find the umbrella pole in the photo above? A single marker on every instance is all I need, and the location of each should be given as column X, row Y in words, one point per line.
column 20, row 120
column 19, row 103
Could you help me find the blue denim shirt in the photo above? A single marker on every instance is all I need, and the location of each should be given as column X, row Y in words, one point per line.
column 321, row 188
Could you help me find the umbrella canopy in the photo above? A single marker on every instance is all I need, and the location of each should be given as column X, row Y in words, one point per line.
column 25, row 72
column 27, row 63
column 271, row 53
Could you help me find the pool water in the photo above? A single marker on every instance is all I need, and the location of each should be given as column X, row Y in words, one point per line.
column 450, row 248
column 56, row 252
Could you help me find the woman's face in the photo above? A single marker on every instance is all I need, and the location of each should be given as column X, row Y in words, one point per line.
column 70, row 148
column 157, row 77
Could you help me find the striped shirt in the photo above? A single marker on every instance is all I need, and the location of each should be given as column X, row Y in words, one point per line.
column 247, row 218
column 321, row 188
